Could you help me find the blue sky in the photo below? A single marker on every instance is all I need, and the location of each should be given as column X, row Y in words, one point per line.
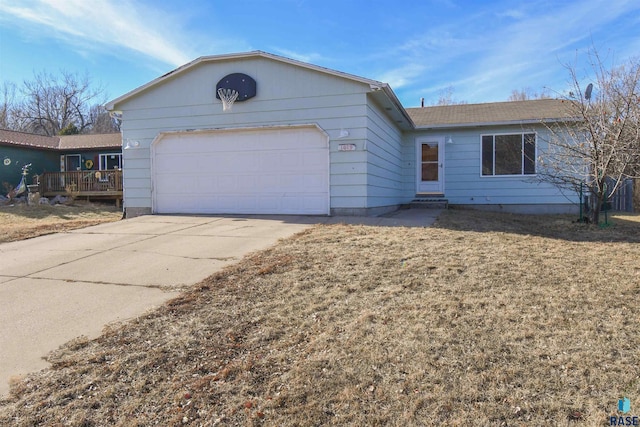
column 481, row 49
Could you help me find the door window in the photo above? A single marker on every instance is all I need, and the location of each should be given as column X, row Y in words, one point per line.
column 430, row 163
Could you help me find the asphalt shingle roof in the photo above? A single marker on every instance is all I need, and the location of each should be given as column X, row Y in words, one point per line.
column 490, row 113
column 103, row 140
column 64, row 142
column 28, row 139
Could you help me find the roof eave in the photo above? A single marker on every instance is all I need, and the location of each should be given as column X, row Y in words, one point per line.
column 393, row 105
column 97, row 148
column 391, row 94
column 22, row 144
column 496, row 123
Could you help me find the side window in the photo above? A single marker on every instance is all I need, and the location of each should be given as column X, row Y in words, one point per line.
column 509, row 154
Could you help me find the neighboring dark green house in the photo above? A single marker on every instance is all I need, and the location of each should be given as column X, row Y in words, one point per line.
column 55, row 154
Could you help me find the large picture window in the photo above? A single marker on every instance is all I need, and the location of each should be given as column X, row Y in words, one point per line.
column 110, row 161
column 509, row 154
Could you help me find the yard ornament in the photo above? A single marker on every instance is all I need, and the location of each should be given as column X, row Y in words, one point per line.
column 22, row 187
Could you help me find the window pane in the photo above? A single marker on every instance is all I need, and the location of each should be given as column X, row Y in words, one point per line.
column 429, row 171
column 487, row 155
column 430, row 152
column 508, row 155
column 530, row 153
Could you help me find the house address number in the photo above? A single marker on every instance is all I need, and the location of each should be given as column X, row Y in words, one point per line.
column 347, row 147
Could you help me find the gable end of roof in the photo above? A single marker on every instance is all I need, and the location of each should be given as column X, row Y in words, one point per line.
column 111, row 105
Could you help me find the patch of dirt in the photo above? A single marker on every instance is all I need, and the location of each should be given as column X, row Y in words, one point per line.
column 482, row 319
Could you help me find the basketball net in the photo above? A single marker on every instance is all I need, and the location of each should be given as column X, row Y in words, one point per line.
column 228, row 97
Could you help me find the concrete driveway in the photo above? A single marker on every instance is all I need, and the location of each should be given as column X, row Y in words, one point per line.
column 55, row 288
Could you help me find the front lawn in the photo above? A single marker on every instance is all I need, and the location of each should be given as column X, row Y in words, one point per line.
column 482, row 319
column 19, row 221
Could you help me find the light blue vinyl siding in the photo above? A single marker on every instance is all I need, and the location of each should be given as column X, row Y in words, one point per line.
column 409, row 168
column 386, row 179
column 464, row 184
column 286, row 95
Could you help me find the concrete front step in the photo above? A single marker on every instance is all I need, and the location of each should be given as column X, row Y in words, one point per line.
column 429, row 203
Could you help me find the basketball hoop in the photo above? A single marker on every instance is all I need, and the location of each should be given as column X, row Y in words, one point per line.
column 228, row 97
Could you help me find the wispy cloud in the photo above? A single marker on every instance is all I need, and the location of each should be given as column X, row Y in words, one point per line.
column 532, row 51
column 487, row 55
column 103, row 24
column 403, row 75
column 310, row 57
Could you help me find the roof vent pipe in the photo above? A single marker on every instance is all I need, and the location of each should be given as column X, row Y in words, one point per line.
column 421, row 102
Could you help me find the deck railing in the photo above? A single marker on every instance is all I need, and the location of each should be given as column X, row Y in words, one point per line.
column 82, row 183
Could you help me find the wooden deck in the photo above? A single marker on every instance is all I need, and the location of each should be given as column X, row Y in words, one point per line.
column 97, row 184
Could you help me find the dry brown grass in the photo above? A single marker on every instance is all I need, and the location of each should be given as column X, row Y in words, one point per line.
column 21, row 222
column 483, row 319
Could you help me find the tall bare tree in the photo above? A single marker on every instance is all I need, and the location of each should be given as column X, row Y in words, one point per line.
column 7, row 105
column 445, row 97
column 101, row 121
column 598, row 147
column 52, row 103
column 527, row 93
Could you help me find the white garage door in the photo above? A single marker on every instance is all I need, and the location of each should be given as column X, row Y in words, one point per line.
column 265, row 171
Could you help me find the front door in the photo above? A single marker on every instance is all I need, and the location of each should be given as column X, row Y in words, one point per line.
column 73, row 162
column 430, row 164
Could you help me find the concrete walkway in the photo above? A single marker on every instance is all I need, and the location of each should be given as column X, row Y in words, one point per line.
column 399, row 218
column 57, row 287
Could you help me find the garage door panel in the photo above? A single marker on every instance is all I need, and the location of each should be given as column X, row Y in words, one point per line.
column 245, row 203
column 228, row 203
column 201, row 162
column 269, row 182
column 311, row 202
column 188, row 204
column 261, row 171
column 247, row 161
column 315, row 183
column 224, row 183
column 188, row 145
column 245, row 183
column 312, row 162
column 291, row 161
column 166, row 163
column 267, row 161
column 204, row 184
column 174, row 183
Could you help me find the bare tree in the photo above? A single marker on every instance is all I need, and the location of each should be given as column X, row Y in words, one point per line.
column 53, row 103
column 446, row 97
column 101, row 121
column 598, row 147
column 7, row 105
column 527, row 93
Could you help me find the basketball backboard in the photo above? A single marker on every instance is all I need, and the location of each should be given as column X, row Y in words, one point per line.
column 241, row 83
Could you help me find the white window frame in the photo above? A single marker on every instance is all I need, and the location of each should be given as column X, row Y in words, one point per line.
column 102, row 160
column 522, row 134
